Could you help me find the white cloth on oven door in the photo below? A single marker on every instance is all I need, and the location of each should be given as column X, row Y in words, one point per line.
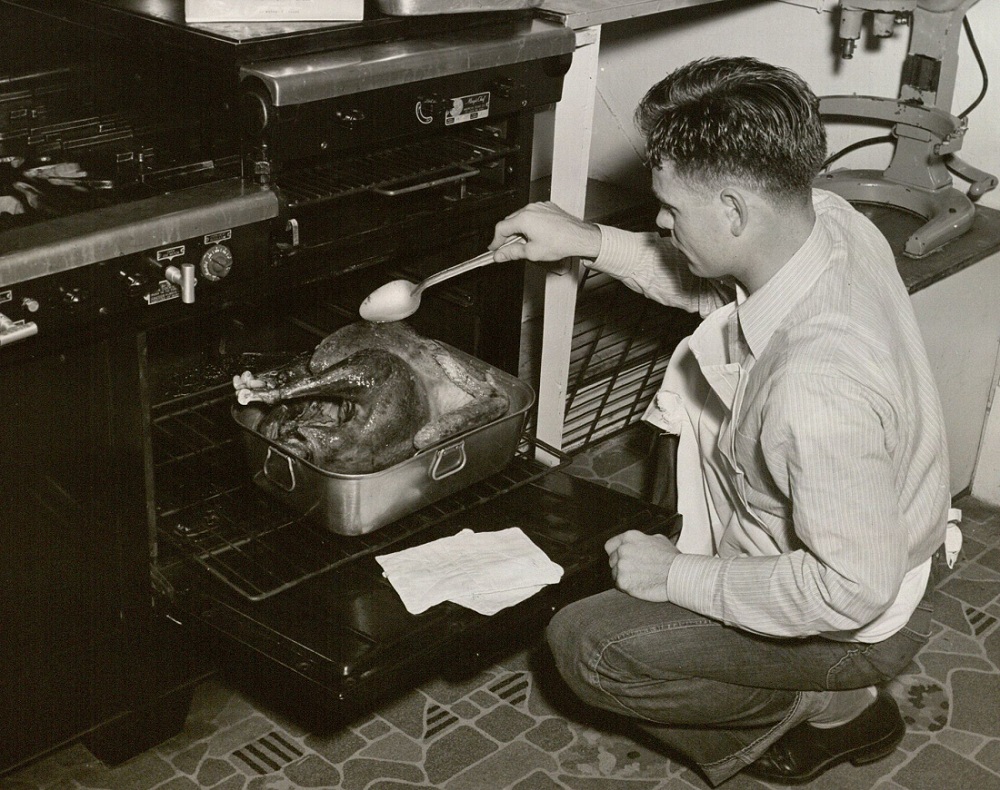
column 483, row 571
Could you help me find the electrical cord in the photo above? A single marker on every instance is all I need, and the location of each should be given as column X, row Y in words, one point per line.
column 885, row 138
column 982, row 67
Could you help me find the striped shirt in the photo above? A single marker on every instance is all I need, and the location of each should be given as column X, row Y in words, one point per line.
column 831, row 461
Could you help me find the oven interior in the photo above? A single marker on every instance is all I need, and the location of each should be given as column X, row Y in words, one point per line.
column 207, row 507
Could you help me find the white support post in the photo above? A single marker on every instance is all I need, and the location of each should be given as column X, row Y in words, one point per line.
column 574, row 120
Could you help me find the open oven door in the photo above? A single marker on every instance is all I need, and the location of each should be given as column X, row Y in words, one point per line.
column 339, row 637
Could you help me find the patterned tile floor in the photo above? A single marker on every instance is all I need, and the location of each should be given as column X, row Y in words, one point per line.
column 507, row 729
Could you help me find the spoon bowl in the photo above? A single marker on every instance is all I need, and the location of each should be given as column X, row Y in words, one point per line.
column 399, row 299
column 393, row 301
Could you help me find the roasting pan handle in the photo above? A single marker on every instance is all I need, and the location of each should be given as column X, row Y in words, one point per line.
column 288, row 483
column 396, row 191
column 448, row 461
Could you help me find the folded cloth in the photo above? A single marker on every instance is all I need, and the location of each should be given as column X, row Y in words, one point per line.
column 483, row 571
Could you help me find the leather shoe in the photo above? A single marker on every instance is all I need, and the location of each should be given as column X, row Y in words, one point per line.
column 804, row 752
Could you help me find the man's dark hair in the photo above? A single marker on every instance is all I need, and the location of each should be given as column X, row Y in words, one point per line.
column 722, row 118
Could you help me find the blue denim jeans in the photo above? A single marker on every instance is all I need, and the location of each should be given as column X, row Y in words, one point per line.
column 717, row 694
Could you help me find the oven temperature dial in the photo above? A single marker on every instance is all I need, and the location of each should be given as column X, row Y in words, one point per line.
column 216, row 262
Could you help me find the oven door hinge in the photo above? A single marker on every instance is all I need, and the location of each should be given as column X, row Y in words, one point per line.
column 162, row 588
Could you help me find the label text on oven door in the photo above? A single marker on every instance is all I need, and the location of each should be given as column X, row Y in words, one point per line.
column 468, row 108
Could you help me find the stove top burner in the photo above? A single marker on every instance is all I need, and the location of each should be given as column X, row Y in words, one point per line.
column 60, row 155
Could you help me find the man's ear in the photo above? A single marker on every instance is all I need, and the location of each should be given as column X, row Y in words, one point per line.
column 736, row 208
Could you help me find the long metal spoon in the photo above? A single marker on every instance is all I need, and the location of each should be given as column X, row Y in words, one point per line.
column 399, row 299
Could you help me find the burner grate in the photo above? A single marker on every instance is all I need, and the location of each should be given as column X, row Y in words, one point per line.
column 210, row 511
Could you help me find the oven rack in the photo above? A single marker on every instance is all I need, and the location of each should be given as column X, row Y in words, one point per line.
column 211, row 512
column 621, row 346
column 415, row 163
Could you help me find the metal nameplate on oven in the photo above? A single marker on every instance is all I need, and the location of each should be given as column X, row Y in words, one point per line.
column 165, row 291
column 468, row 108
column 169, row 253
column 217, row 237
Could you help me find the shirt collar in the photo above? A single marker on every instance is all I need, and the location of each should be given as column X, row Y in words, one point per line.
column 761, row 313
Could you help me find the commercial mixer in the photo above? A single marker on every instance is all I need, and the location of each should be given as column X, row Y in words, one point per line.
column 926, row 135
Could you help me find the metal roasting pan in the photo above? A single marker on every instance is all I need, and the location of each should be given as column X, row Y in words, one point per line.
column 361, row 503
column 427, row 7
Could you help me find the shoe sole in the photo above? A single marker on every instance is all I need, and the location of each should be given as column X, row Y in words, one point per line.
column 865, row 755
column 878, row 751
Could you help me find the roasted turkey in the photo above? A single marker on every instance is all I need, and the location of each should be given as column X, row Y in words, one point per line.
column 370, row 396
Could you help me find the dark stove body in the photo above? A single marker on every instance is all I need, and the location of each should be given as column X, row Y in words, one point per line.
column 224, row 213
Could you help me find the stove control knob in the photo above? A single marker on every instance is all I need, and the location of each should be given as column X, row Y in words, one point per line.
column 350, row 118
column 13, row 331
column 29, row 304
column 72, row 297
column 182, row 277
column 216, row 262
column 135, row 284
